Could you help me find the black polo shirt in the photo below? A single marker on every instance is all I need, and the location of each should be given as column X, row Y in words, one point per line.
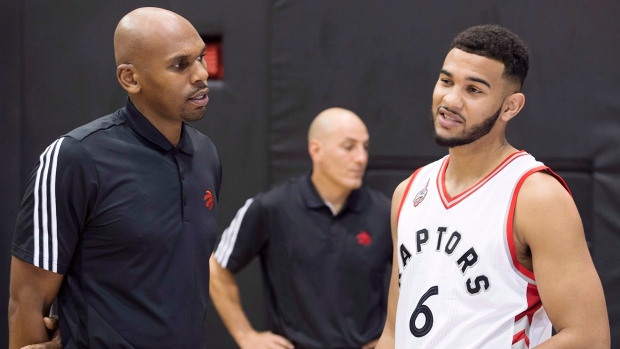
column 130, row 220
column 325, row 275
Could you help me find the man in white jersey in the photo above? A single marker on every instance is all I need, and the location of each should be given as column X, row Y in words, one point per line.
column 489, row 249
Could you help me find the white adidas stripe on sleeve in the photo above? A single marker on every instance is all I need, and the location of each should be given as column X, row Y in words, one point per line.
column 44, row 202
column 229, row 236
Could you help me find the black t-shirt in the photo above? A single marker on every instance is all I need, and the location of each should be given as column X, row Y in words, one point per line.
column 130, row 221
column 325, row 275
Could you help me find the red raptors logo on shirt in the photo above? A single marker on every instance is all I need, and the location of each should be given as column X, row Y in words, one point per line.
column 363, row 238
column 419, row 197
column 208, row 200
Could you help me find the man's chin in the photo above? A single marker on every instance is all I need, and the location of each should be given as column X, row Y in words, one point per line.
column 355, row 184
column 194, row 115
column 448, row 142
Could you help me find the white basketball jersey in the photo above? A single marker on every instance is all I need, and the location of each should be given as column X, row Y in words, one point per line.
column 460, row 283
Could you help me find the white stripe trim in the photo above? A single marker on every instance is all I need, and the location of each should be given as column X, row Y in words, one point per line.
column 229, row 236
column 41, row 207
column 35, row 212
column 44, row 209
column 53, row 212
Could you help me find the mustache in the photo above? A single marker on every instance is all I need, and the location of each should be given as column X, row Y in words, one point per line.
column 450, row 111
column 201, row 86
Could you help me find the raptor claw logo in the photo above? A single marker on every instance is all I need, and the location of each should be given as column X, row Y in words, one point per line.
column 208, row 198
column 419, row 197
column 363, row 238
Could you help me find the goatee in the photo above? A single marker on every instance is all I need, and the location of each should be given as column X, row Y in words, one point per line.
column 477, row 132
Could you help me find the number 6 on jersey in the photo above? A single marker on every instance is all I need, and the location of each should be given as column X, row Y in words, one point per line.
column 423, row 309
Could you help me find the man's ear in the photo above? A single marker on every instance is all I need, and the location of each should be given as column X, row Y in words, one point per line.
column 127, row 77
column 512, row 105
column 314, row 149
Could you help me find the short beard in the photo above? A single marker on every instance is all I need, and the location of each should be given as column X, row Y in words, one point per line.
column 196, row 114
column 193, row 115
column 473, row 135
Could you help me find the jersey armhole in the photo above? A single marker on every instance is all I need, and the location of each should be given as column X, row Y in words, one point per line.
column 510, row 221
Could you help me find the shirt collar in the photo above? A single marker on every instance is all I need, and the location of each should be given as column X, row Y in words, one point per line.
column 313, row 199
column 142, row 126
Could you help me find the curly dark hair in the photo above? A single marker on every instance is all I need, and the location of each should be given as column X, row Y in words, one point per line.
column 497, row 43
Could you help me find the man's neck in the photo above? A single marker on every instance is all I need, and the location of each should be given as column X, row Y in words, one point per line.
column 336, row 196
column 471, row 163
column 169, row 128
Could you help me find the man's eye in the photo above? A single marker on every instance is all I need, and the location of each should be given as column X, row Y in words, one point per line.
column 181, row 65
column 201, row 58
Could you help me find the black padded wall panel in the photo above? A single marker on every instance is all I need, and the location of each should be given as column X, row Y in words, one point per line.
column 10, row 124
column 606, row 207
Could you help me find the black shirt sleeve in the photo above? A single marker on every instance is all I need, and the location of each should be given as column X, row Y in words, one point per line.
column 59, row 195
column 244, row 238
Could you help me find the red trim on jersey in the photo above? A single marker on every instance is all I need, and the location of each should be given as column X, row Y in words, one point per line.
column 533, row 305
column 449, row 201
column 560, row 179
column 534, row 302
column 402, row 200
column 511, row 213
column 521, row 336
column 510, row 223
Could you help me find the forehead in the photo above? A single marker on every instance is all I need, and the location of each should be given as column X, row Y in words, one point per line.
column 352, row 130
column 185, row 47
column 466, row 65
column 174, row 41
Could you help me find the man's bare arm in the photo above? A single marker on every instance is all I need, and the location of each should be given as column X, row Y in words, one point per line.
column 225, row 296
column 387, row 337
column 547, row 222
column 32, row 292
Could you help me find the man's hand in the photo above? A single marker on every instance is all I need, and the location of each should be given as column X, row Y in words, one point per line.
column 261, row 340
column 51, row 323
column 371, row 345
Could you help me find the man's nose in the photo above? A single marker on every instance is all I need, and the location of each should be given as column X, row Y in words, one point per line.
column 453, row 99
column 200, row 72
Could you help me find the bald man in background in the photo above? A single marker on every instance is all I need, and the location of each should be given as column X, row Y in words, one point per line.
column 118, row 218
column 325, row 248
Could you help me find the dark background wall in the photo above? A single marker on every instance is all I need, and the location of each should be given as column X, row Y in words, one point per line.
column 287, row 60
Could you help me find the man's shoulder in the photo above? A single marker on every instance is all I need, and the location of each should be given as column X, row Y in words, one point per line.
column 72, row 147
column 282, row 192
column 544, row 185
column 375, row 195
column 102, row 123
column 195, row 134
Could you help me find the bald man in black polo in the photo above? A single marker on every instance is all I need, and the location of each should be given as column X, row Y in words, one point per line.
column 325, row 248
column 118, row 218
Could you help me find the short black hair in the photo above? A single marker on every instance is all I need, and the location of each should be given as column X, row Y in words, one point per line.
column 497, row 43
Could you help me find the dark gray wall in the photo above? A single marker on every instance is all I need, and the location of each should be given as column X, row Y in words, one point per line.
column 10, row 124
column 287, row 60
